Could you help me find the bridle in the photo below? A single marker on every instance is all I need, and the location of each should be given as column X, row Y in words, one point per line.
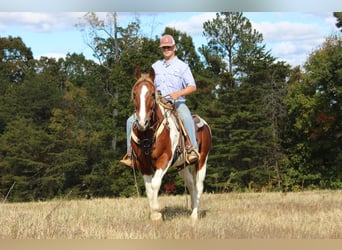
column 156, row 127
column 151, row 112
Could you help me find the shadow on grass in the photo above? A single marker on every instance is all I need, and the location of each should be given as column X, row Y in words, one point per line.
column 170, row 213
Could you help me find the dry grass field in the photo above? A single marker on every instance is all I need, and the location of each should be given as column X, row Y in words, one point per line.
column 302, row 215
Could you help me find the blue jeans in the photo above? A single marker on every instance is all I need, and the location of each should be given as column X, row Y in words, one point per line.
column 184, row 114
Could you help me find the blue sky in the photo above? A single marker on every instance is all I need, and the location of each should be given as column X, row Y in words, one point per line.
column 291, row 36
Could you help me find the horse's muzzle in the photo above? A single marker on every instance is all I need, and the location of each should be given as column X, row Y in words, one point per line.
column 142, row 125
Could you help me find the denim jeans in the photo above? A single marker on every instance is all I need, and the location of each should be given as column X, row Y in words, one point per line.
column 184, row 114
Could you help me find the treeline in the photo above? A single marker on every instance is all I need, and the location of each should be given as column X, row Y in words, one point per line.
column 62, row 122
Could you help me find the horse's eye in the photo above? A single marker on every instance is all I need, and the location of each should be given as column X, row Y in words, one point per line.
column 154, row 95
column 134, row 95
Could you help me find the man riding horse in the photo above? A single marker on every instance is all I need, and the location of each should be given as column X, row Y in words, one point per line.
column 173, row 78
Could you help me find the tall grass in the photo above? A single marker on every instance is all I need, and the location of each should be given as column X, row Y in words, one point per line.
column 304, row 215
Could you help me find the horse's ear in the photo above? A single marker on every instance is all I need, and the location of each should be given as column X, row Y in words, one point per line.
column 137, row 73
column 152, row 74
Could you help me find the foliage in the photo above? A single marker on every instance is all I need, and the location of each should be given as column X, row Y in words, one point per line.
column 338, row 15
column 314, row 104
column 14, row 57
column 62, row 122
column 231, row 37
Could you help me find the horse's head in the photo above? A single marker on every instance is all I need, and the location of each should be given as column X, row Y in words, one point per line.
column 144, row 98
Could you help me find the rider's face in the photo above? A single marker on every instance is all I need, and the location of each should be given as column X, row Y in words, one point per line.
column 168, row 51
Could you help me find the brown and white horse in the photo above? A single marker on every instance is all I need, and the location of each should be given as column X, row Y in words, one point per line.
column 155, row 142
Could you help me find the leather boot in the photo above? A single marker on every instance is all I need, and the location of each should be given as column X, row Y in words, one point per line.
column 127, row 161
column 192, row 156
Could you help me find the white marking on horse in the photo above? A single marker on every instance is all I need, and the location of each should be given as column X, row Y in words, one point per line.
column 142, row 111
column 153, row 183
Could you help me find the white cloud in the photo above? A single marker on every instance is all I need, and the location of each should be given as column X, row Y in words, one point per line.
column 293, row 40
column 330, row 20
column 193, row 25
column 291, row 48
column 39, row 22
column 288, row 31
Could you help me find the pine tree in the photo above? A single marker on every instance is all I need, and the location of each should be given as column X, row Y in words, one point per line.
column 245, row 135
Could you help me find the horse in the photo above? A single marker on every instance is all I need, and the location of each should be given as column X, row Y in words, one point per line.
column 156, row 141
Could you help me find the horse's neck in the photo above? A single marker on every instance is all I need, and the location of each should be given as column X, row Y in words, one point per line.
column 159, row 114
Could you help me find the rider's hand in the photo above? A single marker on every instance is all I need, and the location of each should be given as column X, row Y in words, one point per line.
column 174, row 96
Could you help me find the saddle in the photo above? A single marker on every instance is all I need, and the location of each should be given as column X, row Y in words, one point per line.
column 199, row 123
column 182, row 141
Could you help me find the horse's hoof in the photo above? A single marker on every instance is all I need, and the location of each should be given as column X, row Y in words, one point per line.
column 156, row 216
column 194, row 217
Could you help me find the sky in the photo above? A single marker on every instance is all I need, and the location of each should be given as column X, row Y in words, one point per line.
column 290, row 36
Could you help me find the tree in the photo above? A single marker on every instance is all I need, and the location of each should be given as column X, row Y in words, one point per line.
column 107, row 39
column 24, row 159
column 275, row 113
column 32, row 98
column 314, row 105
column 101, row 36
column 231, row 37
column 14, row 58
column 248, row 106
column 338, row 16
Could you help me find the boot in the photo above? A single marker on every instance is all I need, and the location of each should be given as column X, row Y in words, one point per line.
column 127, row 160
column 192, row 156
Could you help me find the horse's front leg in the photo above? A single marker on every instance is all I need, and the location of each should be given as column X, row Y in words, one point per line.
column 152, row 185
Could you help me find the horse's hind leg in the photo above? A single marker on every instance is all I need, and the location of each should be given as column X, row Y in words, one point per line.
column 195, row 184
column 199, row 176
column 189, row 182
